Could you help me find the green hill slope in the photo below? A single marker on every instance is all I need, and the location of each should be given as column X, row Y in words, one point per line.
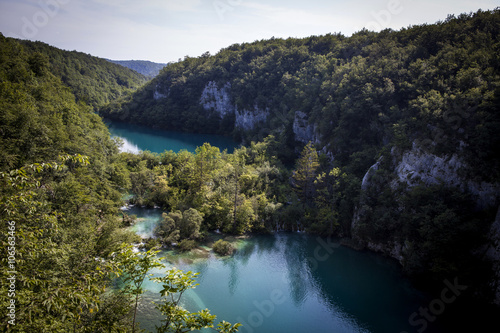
column 59, row 198
column 147, row 68
column 92, row 80
column 406, row 125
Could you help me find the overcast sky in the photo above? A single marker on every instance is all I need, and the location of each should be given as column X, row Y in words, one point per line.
column 166, row 30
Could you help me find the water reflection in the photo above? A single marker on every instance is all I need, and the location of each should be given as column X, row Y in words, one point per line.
column 138, row 138
column 345, row 291
column 298, row 272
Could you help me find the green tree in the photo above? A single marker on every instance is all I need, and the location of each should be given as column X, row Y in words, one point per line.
column 223, row 248
column 177, row 319
column 327, row 200
column 190, row 224
column 135, row 267
column 305, row 173
column 52, row 292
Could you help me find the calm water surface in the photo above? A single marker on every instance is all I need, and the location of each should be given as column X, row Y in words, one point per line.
column 290, row 283
column 136, row 138
column 286, row 283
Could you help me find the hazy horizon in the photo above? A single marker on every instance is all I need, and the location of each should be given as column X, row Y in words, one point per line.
column 165, row 30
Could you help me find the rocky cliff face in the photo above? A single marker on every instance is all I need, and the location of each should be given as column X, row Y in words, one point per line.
column 248, row 119
column 218, row 99
column 303, row 130
column 418, row 166
column 158, row 93
column 415, row 167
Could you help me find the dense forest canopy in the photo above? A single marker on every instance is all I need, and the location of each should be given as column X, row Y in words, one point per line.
column 388, row 140
column 403, row 125
column 92, row 80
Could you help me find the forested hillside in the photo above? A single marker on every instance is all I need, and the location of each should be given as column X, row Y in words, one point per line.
column 60, row 191
column 92, row 80
column 61, row 186
column 403, row 124
column 147, row 68
column 388, row 140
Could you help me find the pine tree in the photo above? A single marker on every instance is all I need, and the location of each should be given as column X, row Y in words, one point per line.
column 305, row 172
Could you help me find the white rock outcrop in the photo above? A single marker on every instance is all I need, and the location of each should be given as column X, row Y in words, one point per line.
column 417, row 166
column 217, row 99
column 303, row 130
column 158, row 94
column 248, row 119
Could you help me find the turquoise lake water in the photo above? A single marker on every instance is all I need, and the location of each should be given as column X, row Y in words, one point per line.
column 295, row 283
column 136, row 138
column 290, row 282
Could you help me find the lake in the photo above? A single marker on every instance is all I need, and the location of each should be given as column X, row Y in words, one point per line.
column 136, row 138
column 290, row 282
column 297, row 283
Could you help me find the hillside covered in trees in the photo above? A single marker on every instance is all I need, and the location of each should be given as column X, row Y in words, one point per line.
column 92, row 80
column 402, row 125
column 61, row 187
column 147, row 68
column 387, row 140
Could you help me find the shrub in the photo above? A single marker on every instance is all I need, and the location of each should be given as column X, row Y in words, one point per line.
column 186, row 245
column 223, row 248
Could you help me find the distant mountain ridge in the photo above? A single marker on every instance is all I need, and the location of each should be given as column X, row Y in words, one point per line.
column 144, row 67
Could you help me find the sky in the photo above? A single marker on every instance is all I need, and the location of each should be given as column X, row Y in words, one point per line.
column 168, row 30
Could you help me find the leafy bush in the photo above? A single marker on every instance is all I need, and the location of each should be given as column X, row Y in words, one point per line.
column 223, row 248
column 186, row 245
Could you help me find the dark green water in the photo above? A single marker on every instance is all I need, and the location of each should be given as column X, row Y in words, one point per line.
column 136, row 138
column 291, row 283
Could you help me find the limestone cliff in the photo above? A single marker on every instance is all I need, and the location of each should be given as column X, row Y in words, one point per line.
column 303, row 130
column 218, row 99
column 416, row 167
column 248, row 119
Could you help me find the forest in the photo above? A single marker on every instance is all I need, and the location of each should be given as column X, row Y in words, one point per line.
column 371, row 99
column 62, row 182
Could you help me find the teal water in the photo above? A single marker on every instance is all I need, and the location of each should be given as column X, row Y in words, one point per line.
column 136, row 138
column 288, row 282
column 147, row 220
column 294, row 283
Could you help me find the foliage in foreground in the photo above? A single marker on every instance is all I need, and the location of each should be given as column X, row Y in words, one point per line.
column 135, row 268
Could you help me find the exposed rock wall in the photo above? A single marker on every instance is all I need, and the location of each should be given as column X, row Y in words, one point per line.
column 303, row 130
column 418, row 166
column 218, row 99
column 248, row 119
column 158, row 94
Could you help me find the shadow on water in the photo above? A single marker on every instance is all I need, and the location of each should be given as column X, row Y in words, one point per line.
column 290, row 282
